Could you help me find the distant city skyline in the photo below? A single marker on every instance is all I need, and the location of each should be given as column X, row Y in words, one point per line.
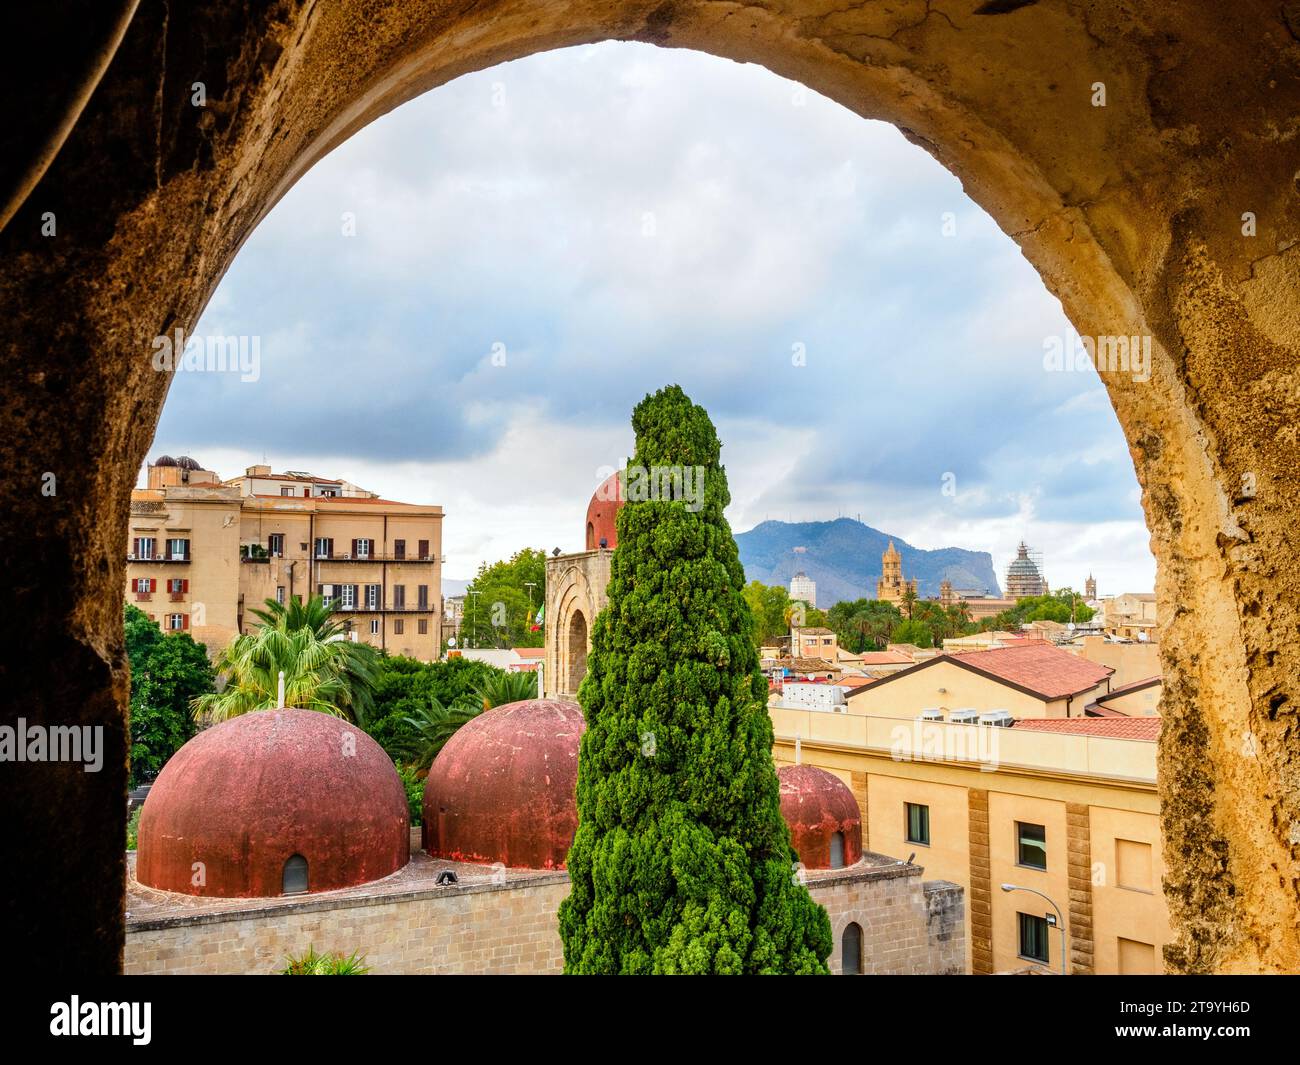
column 538, row 245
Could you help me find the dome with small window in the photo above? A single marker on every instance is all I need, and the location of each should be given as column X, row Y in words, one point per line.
column 274, row 802
column 825, row 823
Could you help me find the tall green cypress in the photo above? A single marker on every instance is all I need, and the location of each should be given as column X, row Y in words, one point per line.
column 681, row 862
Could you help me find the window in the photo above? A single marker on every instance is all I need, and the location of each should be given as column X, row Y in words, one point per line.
column 142, row 585
column 372, row 596
column 851, row 950
column 362, row 548
column 178, row 586
column 424, row 549
column 275, row 545
column 399, row 627
column 329, row 493
column 918, row 823
column 178, row 548
column 374, row 626
column 348, row 596
column 837, row 850
column 176, row 622
column 279, row 594
column 1133, row 865
column 1033, row 937
column 399, row 548
column 399, row 597
column 1031, row 848
column 422, row 596
column 144, row 547
column 324, row 547
column 326, row 593
column 285, row 491
column 294, row 881
column 423, row 626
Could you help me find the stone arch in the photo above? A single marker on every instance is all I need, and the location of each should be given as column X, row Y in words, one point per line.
column 1132, row 212
column 576, row 644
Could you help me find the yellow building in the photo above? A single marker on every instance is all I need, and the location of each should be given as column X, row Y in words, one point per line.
column 1064, row 807
column 1131, row 616
column 1029, row 679
column 204, row 553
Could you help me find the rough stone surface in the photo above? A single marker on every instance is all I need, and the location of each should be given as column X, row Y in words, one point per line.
column 239, row 799
column 816, row 805
column 502, row 789
column 1132, row 213
column 502, row 924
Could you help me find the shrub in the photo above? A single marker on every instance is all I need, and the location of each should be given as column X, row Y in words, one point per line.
column 414, row 785
column 313, row 964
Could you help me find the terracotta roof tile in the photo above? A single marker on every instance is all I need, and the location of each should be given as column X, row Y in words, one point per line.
column 1116, row 728
column 1040, row 667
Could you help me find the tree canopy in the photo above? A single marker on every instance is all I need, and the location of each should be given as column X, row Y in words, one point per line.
column 500, row 608
column 682, row 862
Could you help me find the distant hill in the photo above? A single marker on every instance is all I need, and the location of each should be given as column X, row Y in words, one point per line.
column 843, row 557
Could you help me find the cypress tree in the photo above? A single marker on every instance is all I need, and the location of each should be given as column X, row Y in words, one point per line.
column 681, row 862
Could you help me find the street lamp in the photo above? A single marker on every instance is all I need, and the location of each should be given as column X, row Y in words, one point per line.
column 1060, row 921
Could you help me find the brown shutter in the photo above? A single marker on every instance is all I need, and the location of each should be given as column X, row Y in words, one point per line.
column 355, row 552
column 135, row 547
column 185, row 621
column 153, row 584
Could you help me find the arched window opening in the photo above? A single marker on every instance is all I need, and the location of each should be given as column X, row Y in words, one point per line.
column 837, row 850
column 294, row 881
column 851, row 950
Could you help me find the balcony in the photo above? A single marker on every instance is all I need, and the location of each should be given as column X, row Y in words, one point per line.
column 143, row 597
column 345, row 557
column 339, row 608
column 160, row 559
column 178, row 597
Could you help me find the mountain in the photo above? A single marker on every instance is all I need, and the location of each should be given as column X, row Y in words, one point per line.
column 843, row 557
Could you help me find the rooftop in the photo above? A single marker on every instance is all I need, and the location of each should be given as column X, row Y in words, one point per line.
column 1114, row 728
column 1039, row 668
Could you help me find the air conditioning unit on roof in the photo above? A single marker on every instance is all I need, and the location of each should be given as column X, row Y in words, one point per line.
column 966, row 716
column 998, row 718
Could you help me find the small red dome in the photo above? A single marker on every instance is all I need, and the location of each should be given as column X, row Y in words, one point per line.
column 602, row 513
column 503, row 788
column 817, row 805
column 239, row 800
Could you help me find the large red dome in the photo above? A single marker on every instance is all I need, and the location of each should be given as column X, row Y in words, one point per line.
column 239, row 800
column 602, row 513
column 818, row 806
column 503, row 788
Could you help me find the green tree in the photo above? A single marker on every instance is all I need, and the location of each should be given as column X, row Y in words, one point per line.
column 430, row 729
column 167, row 674
column 770, row 606
column 501, row 607
column 681, row 862
column 913, row 632
column 405, row 687
column 863, row 624
column 323, row 669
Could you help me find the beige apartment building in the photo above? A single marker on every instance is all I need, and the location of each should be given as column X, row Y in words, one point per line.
column 1064, row 807
column 204, row 553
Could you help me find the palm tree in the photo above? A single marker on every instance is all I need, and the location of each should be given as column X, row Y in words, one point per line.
column 497, row 688
column 432, row 727
column 323, row 670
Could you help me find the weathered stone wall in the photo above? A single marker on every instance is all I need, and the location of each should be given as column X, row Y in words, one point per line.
column 909, row 927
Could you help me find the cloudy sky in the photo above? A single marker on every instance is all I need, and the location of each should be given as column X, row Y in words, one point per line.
column 538, row 245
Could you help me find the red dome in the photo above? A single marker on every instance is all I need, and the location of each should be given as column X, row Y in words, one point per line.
column 245, row 796
column 602, row 513
column 816, row 805
column 503, row 788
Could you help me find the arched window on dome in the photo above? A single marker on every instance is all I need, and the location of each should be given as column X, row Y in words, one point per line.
column 294, row 881
column 837, row 850
column 851, row 950
column 591, row 537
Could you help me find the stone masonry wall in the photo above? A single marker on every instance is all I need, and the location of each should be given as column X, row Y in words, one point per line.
column 908, row 927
